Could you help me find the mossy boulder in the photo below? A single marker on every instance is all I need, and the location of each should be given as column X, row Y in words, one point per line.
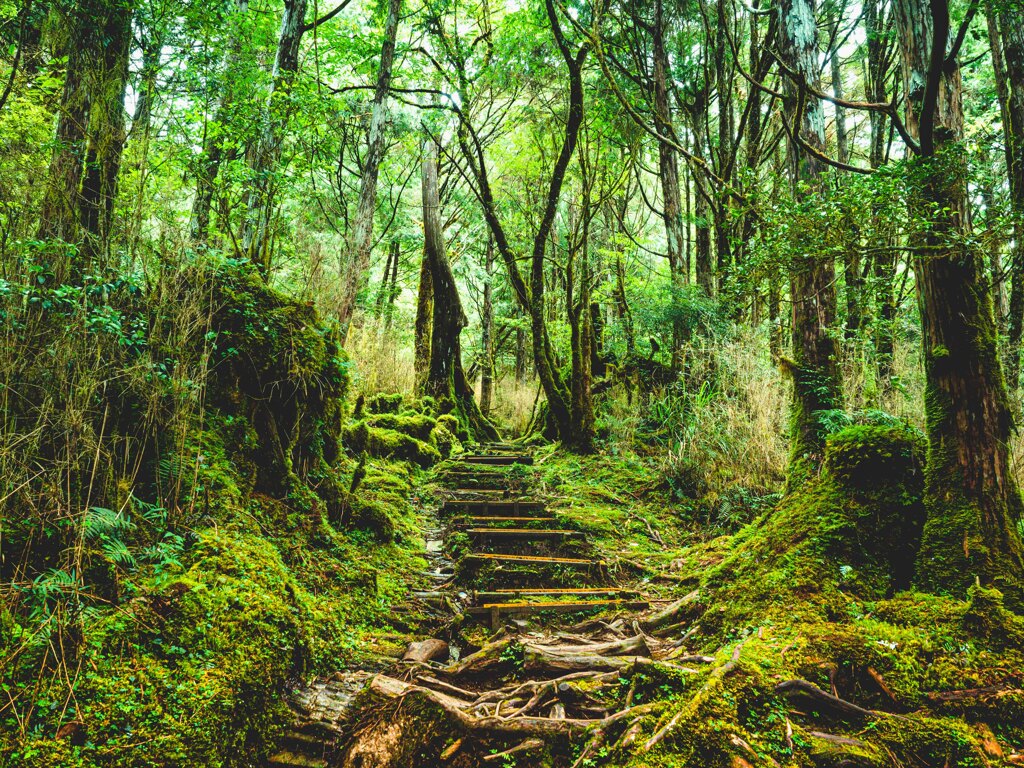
column 387, row 443
column 445, row 441
column 416, row 425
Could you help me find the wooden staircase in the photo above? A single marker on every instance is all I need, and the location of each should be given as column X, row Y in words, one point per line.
column 514, row 538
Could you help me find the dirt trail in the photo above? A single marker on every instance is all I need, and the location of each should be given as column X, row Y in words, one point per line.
column 525, row 690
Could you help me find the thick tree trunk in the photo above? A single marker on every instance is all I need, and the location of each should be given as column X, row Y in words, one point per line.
column 360, row 242
column 971, row 496
column 1008, row 58
column 817, row 382
column 213, row 140
column 256, row 234
column 60, row 216
column 424, row 311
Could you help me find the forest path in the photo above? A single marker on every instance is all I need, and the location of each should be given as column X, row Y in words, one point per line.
column 540, row 679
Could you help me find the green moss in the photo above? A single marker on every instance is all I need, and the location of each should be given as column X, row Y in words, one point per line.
column 386, row 443
column 445, row 441
column 417, row 426
column 384, row 403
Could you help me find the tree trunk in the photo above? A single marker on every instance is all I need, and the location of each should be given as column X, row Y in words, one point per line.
column 971, row 497
column 60, row 216
column 107, row 134
column 1008, row 60
column 445, row 378
column 702, row 222
column 361, row 240
column 487, row 334
column 424, row 311
column 884, row 263
column 817, row 382
column 256, row 235
column 668, row 164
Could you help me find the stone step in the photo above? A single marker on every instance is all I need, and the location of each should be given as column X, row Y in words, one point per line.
column 494, row 611
column 523, row 533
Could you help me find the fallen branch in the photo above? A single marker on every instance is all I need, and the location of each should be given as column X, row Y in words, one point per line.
column 527, row 746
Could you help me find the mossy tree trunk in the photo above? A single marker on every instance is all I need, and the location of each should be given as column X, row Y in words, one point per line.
column 1007, row 42
column 817, row 382
column 971, row 496
column 487, row 333
column 421, row 332
column 90, row 136
column 445, row 379
column 107, row 133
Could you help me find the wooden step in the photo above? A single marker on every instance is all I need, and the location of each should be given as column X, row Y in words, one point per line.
column 496, row 460
column 523, row 533
column 488, row 519
column 507, row 507
column 531, row 559
column 494, row 611
column 505, row 594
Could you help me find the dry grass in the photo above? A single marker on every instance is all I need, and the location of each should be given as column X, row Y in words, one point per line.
column 380, row 363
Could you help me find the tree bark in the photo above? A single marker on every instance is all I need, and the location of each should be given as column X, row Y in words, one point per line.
column 668, row 164
column 361, row 241
column 445, row 379
column 972, row 499
column 487, row 334
column 107, row 134
column 1008, row 60
column 817, row 382
column 424, row 311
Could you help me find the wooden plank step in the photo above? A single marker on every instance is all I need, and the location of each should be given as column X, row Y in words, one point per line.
column 513, row 507
column 497, row 519
column 495, row 460
column 504, row 594
column 534, row 559
column 494, row 611
column 524, row 533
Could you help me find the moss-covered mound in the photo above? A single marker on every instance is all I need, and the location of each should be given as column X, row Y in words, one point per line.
column 274, row 363
column 384, row 427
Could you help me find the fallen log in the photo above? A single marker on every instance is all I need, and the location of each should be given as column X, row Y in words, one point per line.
column 670, row 614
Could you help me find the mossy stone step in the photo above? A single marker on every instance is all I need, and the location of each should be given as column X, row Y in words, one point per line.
column 521, row 592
